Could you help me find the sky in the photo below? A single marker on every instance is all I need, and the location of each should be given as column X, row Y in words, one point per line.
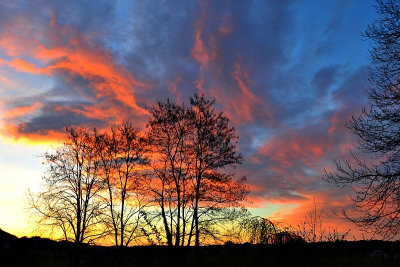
column 288, row 74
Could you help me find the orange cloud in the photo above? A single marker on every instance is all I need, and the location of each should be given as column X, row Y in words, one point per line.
column 50, row 55
column 203, row 52
column 238, row 100
column 17, row 133
column 199, row 84
column 25, row 66
column 225, row 29
column 289, row 148
column 97, row 67
column 173, row 87
column 327, row 207
column 247, row 103
column 335, row 121
column 199, row 51
column 21, row 110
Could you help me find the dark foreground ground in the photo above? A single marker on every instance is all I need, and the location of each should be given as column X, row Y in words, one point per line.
column 43, row 252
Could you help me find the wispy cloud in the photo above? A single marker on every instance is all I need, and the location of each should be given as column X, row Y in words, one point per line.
column 286, row 73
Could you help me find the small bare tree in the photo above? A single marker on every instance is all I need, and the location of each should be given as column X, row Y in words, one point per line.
column 311, row 228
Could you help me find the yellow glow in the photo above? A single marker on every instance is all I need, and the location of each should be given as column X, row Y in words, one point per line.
column 20, row 170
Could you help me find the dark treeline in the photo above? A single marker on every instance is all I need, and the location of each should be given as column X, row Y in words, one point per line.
column 45, row 252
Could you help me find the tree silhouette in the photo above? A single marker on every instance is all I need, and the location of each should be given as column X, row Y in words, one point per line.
column 175, row 183
column 121, row 155
column 169, row 184
column 213, row 147
column 191, row 145
column 70, row 200
column 258, row 230
column 377, row 183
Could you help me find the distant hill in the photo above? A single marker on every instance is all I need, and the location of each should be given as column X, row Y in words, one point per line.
column 7, row 240
column 6, row 236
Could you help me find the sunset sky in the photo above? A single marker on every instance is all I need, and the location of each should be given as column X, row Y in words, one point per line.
column 288, row 74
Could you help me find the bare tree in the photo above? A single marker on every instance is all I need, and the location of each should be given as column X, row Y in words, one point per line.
column 219, row 206
column 191, row 145
column 376, row 182
column 70, row 199
column 213, row 144
column 168, row 138
column 311, row 227
column 190, row 179
column 121, row 153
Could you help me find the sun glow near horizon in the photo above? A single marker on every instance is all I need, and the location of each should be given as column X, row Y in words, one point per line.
column 286, row 74
column 20, row 170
